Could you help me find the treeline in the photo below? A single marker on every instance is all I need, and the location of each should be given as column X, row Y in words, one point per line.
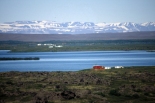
column 13, row 58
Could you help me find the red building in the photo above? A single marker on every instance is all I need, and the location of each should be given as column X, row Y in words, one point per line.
column 98, row 67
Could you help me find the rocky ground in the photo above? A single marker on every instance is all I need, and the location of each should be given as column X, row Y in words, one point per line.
column 127, row 85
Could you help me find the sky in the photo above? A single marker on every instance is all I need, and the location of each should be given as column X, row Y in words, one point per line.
column 96, row 11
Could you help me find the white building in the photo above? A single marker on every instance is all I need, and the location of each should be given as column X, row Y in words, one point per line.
column 39, row 44
column 50, row 46
column 59, row 46
column 119, row 67
column 107, row 67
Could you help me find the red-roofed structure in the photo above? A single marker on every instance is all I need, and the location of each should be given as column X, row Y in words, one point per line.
column 98, row 67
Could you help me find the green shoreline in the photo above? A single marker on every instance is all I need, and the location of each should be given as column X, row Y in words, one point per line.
column 125, row 85
column 14, row 58
column 78, row 45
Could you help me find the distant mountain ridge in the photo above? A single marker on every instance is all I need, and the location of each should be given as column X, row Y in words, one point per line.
column 52, row 27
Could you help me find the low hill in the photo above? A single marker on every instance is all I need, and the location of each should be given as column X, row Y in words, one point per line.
column 99, row 36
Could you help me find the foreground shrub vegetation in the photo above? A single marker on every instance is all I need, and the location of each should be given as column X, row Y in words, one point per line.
column 128, row 85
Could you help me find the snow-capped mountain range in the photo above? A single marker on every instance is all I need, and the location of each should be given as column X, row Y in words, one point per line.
column 52, row 27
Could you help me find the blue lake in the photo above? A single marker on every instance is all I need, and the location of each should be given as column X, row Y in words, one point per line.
column 74, row 61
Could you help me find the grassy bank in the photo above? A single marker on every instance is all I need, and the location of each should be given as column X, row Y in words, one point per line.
column 127, row 85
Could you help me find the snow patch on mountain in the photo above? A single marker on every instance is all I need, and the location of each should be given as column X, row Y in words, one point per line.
column 52, row 27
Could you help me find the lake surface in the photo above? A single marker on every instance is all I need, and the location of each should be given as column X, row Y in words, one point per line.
column 74, row 61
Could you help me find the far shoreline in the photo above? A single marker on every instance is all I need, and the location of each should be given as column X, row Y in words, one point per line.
column 9, row 51
column 82, row 70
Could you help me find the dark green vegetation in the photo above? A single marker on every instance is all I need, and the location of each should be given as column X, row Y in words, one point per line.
column 28, row 58
column 78, row 45
column 128, row 85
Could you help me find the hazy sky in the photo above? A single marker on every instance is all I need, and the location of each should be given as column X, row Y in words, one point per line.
column 78, row 10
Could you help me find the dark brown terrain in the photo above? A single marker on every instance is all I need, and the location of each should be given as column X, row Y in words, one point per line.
column 104, row 36
column 126, row 85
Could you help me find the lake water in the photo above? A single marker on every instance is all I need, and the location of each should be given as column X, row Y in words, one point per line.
column 74, row 61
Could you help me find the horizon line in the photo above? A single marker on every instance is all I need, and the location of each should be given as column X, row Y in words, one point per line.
column 79, row 21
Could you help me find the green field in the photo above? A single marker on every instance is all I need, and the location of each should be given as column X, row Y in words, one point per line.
column 126, row 85
column 78, row 45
